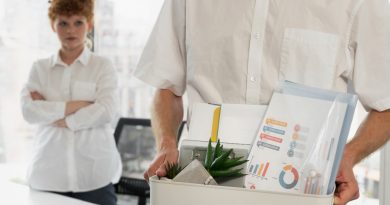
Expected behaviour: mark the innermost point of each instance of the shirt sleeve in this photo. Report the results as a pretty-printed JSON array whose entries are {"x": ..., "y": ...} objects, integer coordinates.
[
  {"x": 39, "y": 111},
  {"x": 105, "y": 108},
  {"x": 370, "y": 49},
  {"x": 162, "y": 63}
]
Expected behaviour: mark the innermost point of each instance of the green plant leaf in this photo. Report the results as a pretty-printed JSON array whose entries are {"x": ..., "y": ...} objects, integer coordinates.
[
  {"x": 172, "y": 169},
  {"x": 232, "y": 163},
  {"x": 209, "y": 155},
  {"x": 219, "y": 163},
  {"x": 220, "y": 160},
  {"x": 218, "y": 150}
]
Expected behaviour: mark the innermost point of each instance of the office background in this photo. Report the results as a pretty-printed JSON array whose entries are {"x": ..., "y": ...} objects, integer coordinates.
[{"x": 121, "y": 30}]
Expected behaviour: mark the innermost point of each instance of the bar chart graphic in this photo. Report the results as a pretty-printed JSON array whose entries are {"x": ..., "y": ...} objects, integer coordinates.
[
  {"x": 313, "y": 183},
  {"x": 259, "y": 169}
]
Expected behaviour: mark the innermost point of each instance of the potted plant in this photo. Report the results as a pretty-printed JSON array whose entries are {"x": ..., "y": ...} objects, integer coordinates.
[{"x": 218, "y": 165}]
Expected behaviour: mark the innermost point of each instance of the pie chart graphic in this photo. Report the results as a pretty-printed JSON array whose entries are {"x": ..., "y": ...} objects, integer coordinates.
[{"x": 288, "y": 170}]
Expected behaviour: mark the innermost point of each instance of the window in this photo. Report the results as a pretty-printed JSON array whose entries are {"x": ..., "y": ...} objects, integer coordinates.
[
  {"x": 25, "y": 35},
  {"x": 367, "y": 172},
  {"x": 385, "y": 169},
  {"x": 121, "y": 30}
]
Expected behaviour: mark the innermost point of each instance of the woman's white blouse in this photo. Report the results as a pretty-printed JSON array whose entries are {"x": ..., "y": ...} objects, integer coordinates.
[{"x": 84, "y": 156}]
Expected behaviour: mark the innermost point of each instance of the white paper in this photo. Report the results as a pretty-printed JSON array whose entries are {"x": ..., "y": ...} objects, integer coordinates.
[
  {"x": 239, "y": 123},
  {"x": 201, "y": 121},
  {"x": 295, "y": 146}
]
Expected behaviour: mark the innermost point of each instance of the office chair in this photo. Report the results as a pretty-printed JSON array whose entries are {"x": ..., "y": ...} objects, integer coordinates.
[{"x": 136, "y": 145}]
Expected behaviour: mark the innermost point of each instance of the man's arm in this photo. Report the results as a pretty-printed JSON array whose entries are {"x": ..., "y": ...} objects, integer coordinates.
[
  {"x": 371, "y": 135},
  {"x": 167, "y": 114}
]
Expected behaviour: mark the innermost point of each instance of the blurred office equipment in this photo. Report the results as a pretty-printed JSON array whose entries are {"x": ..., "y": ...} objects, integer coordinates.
[{"x": 136, "y": 145}]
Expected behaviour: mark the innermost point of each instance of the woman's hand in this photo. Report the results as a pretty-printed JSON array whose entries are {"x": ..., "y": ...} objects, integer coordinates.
[
  {"x": 60, "y": 123},
  {"x": 35, "y": 95}
]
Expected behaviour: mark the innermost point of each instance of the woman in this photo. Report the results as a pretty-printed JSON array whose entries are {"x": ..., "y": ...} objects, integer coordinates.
[{"x": 72, "y": 98}]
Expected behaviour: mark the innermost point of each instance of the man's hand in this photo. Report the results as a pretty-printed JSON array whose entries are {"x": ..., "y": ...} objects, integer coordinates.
[
  {"x": 61, "y": 123},
  {"x": 167, "y": 153},
  {"x": 35, "y": 95},
  {"x": 371, "y": 135},
  {"x": 347, "y": 188},
  {"x": 167, "y": 114}
]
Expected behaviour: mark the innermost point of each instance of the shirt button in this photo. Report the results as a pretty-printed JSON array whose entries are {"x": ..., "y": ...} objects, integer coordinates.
[
  {"x": 257, "y": 35},
  {"x": 253, "y": 79}
]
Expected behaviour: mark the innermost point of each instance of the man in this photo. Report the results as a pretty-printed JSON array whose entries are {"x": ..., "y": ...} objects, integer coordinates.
[{"x": 228, "y": 51}]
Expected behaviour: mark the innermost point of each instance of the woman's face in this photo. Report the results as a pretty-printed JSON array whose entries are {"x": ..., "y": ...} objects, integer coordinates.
[{"x": 71, "y": 31}]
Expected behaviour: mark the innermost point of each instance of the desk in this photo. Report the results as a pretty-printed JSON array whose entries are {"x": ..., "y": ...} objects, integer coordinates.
[{"x": 12, "y": 193}]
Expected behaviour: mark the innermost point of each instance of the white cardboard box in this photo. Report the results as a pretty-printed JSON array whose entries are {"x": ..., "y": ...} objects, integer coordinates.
[
  {"x": 178, "y": 193},
  {"x": 166, "y": 192}
]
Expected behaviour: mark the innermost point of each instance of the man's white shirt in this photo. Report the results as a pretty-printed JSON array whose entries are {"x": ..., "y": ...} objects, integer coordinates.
[{"x": 229, "y": 51}]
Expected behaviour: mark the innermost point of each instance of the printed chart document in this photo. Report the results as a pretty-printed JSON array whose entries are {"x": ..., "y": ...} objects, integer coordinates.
[{"x": 295, "y": 147}]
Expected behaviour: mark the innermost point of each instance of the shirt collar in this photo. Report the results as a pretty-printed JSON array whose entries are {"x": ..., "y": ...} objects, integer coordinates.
[{"x": 83, "y": 58}]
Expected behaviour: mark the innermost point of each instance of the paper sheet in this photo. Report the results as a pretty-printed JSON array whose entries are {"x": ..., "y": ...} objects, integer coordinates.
[
  {"x": 239, "y": 123},
  {"x": 295, "y": 146},
  {"x": 201, "y": 121},
  {"x": 236, "y": 123}
]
